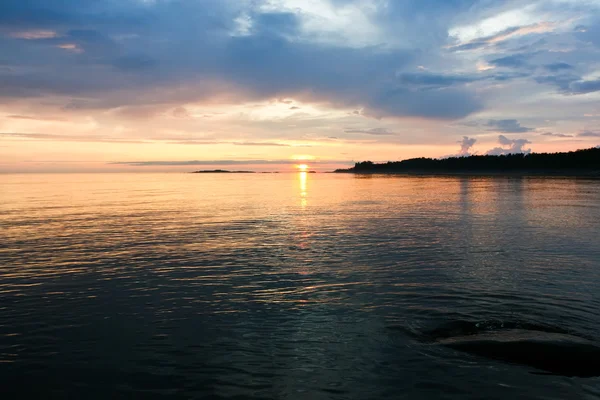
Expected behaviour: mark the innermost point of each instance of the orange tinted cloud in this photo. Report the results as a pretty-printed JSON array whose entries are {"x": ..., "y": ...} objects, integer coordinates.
[{"x": 34, "y": 34}]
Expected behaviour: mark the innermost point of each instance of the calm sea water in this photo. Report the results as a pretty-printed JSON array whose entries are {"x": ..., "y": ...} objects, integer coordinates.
[{"x": 288, "y": 286}]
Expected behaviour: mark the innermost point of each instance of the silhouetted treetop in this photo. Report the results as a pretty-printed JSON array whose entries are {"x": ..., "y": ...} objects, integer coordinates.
[{"x": 588, "y": 160}]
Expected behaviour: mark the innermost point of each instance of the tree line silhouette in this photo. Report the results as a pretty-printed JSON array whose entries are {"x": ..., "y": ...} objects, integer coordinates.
[{"x": 584, "y": 160}]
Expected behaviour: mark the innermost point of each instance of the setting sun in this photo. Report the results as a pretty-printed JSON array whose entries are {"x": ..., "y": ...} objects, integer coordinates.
[{"x": 302, "y": 167}]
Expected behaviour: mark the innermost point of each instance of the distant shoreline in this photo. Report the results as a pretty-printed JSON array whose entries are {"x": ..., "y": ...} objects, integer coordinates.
[
  {"x": 580, "y": 163},
  {"x": 515, "y": 174},
  {"x": 222, "y": 171}
]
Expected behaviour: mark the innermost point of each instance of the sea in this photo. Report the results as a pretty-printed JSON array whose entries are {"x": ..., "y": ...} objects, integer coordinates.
[{"x": 290, "y": 285}]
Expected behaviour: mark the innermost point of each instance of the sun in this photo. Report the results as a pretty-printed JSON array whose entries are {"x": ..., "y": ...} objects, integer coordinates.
[{"x": 302, "y": 167}]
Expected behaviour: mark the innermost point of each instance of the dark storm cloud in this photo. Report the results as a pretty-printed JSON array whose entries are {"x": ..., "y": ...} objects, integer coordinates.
[
  {"x": 558, "y": 66},
  {"x": 108, "y": 54},
  {"x": 425, "y": 81},
  {"x": 507, "y": 126},
  {"x": 570, "y": 84},
  {"x": 589, "y": 134},
  {"x": 437, "y": 80},
  {"x": 507, "y": 76},
  {"x": 426, "y": 22},
  {"x": 589, "y": 32},
  {"x": 107, "y": 47},
  {"x": 562, "y": 81},
  {"x": 24, "y": 13},
  {"x": 439, "y": 104},
  {"x": 66, "y": 14},
  {"x": 512, "y": 61},
  {"x": 583, "y": 86}
]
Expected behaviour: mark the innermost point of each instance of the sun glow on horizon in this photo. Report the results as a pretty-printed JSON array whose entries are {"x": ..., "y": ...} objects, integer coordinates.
[{"x": 302, "y": 167}]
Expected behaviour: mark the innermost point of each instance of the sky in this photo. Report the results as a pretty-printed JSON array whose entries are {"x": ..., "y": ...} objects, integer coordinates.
[{"x": 176, "y": 85}]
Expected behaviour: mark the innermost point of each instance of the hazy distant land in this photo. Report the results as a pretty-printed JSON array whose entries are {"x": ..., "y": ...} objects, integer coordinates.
[
  {"x": 575, "y": 163},
  {"x": 222, "y": 171}
]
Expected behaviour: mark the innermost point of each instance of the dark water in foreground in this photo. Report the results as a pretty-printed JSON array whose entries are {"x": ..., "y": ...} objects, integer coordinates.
[{"x": 289, "y": 286}]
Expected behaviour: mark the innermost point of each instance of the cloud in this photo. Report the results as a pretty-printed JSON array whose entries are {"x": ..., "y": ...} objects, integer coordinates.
[
  {"x": 118, "y": 64},
  {"x": 589, "y": 32},
  {"x": 561, "y": 135},
  {"x": 357, "y": 86},
  {"x": 261, "y": 144},
  {"x": 512, "y": 61},
  {"x": 428, "y": 81},
  {"x": 36, "y": 118},
  {"x": 437, "y": 80},
  {"x": 33, "y": 34},
  {"x": 190, "y": 51},
  {"x": 571, "y": 84},
  {"x": 166, "y": 139},
  {"x": 223, "y": 162},
  {"x": 193, "y": 142},
  {"x": 507, "y": 126},
  {"x": 73, "y": 47},
  {"x": 67, "y": 138},
  {"x": 180, "y": 112},
  {"x": 134, "y": 63},
  {"x": 508, "y": 33},
  {"x": 447, "y": 103},
  {"x": 510, "y": 146},
  {"x": 588, "y": 134},
  {"x": 582, "y": 86},
  {"x": 373, "y": 131},
  {"x": 561, "y": 81},
  {"x": 465, "y": 146},
  {"x": 558, "y": 66}
]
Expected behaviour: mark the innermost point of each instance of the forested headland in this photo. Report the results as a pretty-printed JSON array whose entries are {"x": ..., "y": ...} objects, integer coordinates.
[{"x": 580, "y": 162}]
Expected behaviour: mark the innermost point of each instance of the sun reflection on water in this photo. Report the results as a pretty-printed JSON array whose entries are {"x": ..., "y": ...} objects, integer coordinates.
[{"x": 302, "y": 177}]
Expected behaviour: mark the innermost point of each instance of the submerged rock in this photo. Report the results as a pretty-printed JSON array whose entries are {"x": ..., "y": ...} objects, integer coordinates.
[{"x": 554, "y": 353}]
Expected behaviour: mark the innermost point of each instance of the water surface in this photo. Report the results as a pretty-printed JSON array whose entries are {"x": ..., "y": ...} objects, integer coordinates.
[{"x": 289, "y": 286}]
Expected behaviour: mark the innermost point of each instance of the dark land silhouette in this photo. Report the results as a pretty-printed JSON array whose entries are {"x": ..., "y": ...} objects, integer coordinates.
[
  {"x": 544, "y": 347},
  {"x": 581, "y": 162},
  {"x": 556, "y": 354}
]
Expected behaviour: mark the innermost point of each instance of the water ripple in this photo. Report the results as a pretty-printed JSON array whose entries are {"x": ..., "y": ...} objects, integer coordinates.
[{"x": 273, "y": 287}]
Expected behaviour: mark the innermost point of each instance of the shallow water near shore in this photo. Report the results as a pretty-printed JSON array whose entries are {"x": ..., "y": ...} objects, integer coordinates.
[{"x": 290, "y": 286}]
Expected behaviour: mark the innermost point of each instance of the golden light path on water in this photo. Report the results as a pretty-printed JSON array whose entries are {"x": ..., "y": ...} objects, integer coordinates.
[{"x": 302, "y": 178}]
